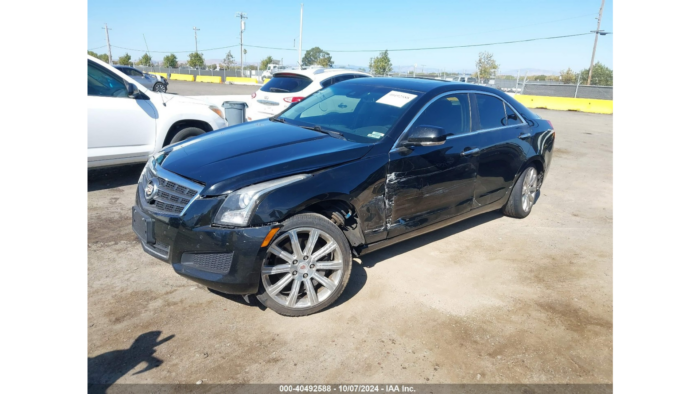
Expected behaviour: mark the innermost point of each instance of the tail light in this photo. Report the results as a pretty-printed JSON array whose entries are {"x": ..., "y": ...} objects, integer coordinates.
[
  {"x": 254, "y": 94},
  {"x": 292, "y": 99}
]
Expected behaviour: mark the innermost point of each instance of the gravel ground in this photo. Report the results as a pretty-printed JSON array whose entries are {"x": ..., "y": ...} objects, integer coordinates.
[{"x": 487, "y": 300}]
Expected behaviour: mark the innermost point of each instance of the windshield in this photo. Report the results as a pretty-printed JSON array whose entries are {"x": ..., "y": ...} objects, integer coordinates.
[{"x": 361, "y": 113}]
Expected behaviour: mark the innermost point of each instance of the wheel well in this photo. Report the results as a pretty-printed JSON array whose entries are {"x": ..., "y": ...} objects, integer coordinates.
[
  {"x": 539, "y": 166},
  {"x": 343, "y": 215},
  {"x": 181, "y": 124}
]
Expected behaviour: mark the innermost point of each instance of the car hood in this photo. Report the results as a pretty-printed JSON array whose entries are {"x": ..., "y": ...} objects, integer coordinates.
[{"x": 228, "y": 159}]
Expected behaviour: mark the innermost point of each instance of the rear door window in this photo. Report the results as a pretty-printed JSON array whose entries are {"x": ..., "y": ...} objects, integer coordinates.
[
  {"x": 513, "y": 118},
  {"x": 491, "y": 112},
  {"x": 286, "y": 83}
]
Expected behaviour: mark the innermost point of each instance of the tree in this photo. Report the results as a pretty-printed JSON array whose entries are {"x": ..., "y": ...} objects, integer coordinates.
[
  {"x": 265, "y": 62},
  {"x": 229, "y": 60},
  {"x": 104, "y": 57},
  {"x": 145, "y": 60},
  {"x": 170, "y": 61},
  {"x": 196, "y": 60},
  {"x": 568, "y": 76},
  {"x": 486, "y": 65},
  {"x": 602, "y": 75},
  {"x": 93, "y": 54},
  {"x": 125, "y": 60},
  {"x": 318, "y": 56},
  {"x": 380, "y": 65}
]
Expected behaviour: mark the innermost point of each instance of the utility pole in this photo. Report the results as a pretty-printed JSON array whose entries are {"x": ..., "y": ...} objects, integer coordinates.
[
  {"x": 242, "y": 16},
  {"x": 196, "y": 50},
  {"x": 595, "y": 43},
  {"x": 301, "y": 32},
  {"x": 109, "y": 47}
]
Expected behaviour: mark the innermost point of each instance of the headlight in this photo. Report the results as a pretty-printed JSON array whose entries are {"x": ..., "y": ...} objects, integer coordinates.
[
  {"x": 239, "y": 206},
  {"x": 217, "y": 111}
]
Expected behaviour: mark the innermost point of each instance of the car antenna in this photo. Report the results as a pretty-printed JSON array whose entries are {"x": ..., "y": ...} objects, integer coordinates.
[{"x": 161, "y": 99}]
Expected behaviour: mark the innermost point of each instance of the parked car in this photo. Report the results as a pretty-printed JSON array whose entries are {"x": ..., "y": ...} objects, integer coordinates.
[
  {"x": 272, "y": 69},
  {"x": 292, "y": 86},
  {"x": 127, "y": 123},
  {"x": 278, "y": 207},
  {"x": 152, "y": 82}
]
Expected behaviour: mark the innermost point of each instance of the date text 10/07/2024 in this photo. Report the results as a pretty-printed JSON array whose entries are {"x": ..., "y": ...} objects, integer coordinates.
[{"x": 348, "y": 388}]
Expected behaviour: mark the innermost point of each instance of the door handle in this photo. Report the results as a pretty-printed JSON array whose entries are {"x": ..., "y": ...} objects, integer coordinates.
[
  {"x": 524, "y": 135},
  {"x": 471, "y": 152}
]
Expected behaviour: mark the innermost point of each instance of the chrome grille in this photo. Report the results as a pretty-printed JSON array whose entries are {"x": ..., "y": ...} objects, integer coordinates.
[{"x": 174, "y": 193}]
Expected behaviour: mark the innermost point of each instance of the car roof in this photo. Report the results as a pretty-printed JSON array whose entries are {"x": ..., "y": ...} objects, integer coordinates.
[
  {"x": 424, "y": 85},
  {"x": 323, "y": 73}
]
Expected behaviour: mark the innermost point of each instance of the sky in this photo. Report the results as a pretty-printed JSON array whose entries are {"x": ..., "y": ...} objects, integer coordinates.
[{"x": 361, "y": 25}]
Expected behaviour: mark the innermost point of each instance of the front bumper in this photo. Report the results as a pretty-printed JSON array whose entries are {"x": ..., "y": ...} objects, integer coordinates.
[{"x": 225, "y": 259}]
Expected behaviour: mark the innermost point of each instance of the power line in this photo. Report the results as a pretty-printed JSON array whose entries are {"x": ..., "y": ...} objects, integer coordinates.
[
  {"x": 460, "y": 46},
  {"x": 203, "y": 50},
  {"x": 92, "y": 49},
  {"x": 380, "y": 50},
  {"x": 489, "y": 31}
]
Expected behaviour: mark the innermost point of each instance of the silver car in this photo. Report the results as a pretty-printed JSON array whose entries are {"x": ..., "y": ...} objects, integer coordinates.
[{"x": 154, "y": 82}]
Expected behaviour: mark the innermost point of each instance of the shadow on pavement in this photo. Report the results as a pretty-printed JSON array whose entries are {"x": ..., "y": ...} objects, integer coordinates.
[
  {"x": 111, "y": 177},
  {"x": 105, "y": 369}
]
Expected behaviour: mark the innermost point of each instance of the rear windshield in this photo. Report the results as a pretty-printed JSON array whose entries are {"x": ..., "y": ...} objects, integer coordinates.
[{"x": 286, "y": 83}]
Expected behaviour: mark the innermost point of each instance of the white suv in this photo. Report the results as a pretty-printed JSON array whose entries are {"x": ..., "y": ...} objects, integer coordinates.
[
  {"x": 291, "y": 86},
  {"x": 127, "y": 122}
]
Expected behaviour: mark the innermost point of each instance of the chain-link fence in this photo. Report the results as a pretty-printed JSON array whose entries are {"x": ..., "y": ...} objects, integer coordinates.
[
  {"x": 565, "y": 90},
  {"x": 191, "y": 71}
]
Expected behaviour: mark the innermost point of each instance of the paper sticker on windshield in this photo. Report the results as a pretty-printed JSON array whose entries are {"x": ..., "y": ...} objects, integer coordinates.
[
  {"x": 396, "y": 99},
  {"x": 375, "y": 134}
]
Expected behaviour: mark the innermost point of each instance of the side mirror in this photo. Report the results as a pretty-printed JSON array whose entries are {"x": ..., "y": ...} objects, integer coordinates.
[
  {"x": 426, "y": 136},
  {"x": 131, "y": 90}
]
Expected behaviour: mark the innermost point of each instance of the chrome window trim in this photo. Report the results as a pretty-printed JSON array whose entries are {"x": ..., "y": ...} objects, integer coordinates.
[{"x": 434, "y": 99}]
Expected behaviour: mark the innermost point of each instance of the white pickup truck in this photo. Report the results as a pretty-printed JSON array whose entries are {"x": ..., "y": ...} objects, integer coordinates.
[{"x": 127, "y": 122}]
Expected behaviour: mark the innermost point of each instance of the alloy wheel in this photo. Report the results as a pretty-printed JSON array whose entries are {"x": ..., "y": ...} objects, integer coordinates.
[
  {"x": 303, "y": 267},
  {"x": 529, "y": 188}
]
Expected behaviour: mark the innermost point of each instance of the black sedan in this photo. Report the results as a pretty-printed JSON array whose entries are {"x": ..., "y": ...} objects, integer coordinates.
[{"x": 278, "y": 207}]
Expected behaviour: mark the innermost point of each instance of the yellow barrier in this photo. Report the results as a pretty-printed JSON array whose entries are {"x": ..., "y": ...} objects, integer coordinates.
[
  {"x": 208, "y": 78},
  {"x": 182, "y": 77},
  {"x": 567, "y": 104},
  {"x": 265, "y": 80},
  {"x": 239, "y": 79},
  {"x": 164, "y": 75}
]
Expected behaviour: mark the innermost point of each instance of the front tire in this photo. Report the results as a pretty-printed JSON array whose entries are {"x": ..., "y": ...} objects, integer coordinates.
[
  {"x": 522, "y": 198},
  {"x": 187, "y": 132},
  {"x": 159, "y": 87},
  {"x": 307, "y": 266}
]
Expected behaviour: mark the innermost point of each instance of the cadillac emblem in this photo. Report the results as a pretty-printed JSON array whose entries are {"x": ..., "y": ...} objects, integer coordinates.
[{"x": 151, "y": 190}]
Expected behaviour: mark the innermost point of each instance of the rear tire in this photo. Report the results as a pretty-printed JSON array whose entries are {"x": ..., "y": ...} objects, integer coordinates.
[
  {"x": 187, "y": 132},
  {"x": 307, "y": 266},
  {"x": 522, "y": 198}
]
